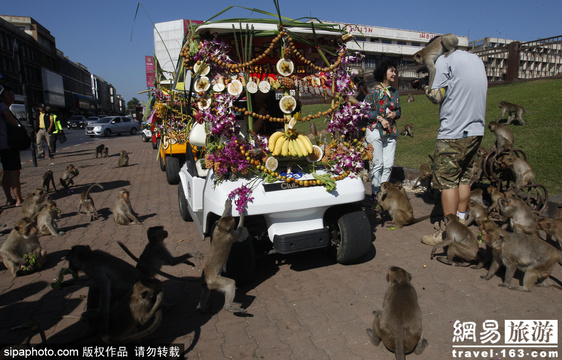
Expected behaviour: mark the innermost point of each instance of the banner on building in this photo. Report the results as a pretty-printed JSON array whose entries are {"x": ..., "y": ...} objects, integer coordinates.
[{"x": 150, "y": 70}]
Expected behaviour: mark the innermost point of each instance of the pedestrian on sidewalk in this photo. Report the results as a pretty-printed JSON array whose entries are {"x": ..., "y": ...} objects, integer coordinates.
[
  {"x": 45, "y": 132},
  {"x": 459, "y": 87},
  {"x": 10, "y": 158},
  {"x": 56, "y": 132}
]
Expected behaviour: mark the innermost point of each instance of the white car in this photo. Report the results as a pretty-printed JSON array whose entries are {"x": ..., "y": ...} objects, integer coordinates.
[{"x": 109, "y": 125}]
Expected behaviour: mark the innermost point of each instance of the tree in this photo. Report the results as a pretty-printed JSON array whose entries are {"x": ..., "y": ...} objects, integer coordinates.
[{"x": 132, "y": 103}]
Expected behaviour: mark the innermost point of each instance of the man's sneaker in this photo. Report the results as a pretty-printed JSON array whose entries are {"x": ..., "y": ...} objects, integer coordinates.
[
  {"x": 41, "y": 156},
  {"x": 436, "y": 237}
]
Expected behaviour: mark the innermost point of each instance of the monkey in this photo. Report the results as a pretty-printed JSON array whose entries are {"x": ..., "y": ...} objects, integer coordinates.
[
  {"x": 477, "y": 195},
  {"x": 553, "y": 228},
  {"x": 397, "y": 204},
  {"x": 123, "y": 159},
  {"x": 425, "y": 177},
  {"x": 46, "y": 218},
  {"x": 21, "y": 241},
  {"x": 515, "y": 112},
  {"x": 504, "y": 136},
  {"x": 399, "y": 323},
  {"x": 520, "y": 216},
  {"x": 521, "y": 171},
  {"x": 87, "y": 203},
  {"x": 155, "y": 254},
  {"x": 122, "y": 210},
  {"x": 528, "y": 253},
  {"x": 70, "y": 173},
  {"x": 114, "y": 278},
  {"x": 48, "y": 178},
  {"x": 407, "y": 131},
  {"x": 476, "y": 213},
  {"x": 106, "y": 152},
  {"x": 440, "y": 45},
  {"x": 133, "y": 312},
  {"x": 495, "y": 196},
  {"x": 33, "y": 203},
  {"x": 411, "y": 98},
  {"x": 99, "y": 150},
  {"x": 462, "y": 242},
  {"x": 224, "y": 235},
  {"x": 479, "y": 164}
]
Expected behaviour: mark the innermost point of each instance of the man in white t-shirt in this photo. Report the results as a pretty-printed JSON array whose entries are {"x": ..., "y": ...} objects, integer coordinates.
[{"x": 460, "y": 87}]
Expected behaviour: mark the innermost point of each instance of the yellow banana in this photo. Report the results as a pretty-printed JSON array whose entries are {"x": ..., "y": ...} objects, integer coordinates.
[
  {"x": 306, "y": 142},
  {"x": 279, "y": 146},
  {"x": 302, "y": 147},
  {"x": 297, "y": 147},
  {"x": 292, "y": 149},
  {"x": 273, "y": 139},
  {"x": 285, "y": 149}
]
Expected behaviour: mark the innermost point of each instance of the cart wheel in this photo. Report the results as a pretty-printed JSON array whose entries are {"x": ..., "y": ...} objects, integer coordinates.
[
  {"x": 182, "y": 201},
  {"x": 173, "y": 170},
  {"x": 351, "y": 235}
]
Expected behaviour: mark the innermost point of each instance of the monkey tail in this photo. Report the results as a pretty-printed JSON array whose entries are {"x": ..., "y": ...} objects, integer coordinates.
[
  {"x": 399, "y": 348},
  {"x": 91, "y": 187},
  {"x": 417, "y": 220}
]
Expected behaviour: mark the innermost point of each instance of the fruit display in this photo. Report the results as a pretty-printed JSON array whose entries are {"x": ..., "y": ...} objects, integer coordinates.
[{"x": 230, "y": 71}]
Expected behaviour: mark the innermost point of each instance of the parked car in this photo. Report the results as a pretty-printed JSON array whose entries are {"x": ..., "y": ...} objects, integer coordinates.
[
  {"x": 113, "y": 125},
  {"x": 93, "y": 119},
  {"x": 76, "y": 122}
]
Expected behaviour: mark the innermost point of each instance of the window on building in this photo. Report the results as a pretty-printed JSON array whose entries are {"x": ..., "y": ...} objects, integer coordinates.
[
  {"x": 360, "y": 39},
  {"x": 401, "y": 42},
  {"x": 415, "y": 44},
  {"x": 386, "y": 41}
]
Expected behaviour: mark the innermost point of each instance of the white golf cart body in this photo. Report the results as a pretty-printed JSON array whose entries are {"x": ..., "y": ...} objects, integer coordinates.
[{"x": 288, "y": 217}]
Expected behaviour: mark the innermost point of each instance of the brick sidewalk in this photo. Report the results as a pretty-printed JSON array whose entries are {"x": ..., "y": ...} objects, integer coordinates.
[{"x": 304, "y": 306}]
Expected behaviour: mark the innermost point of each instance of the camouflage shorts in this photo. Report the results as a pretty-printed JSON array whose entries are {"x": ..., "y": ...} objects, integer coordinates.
[{"x": 453, "y": 161}]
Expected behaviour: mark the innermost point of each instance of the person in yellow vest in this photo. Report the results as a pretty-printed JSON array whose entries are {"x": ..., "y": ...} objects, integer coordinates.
[
  {"x": 58, "y": 129},
  {"x": 45, "y": 132}
]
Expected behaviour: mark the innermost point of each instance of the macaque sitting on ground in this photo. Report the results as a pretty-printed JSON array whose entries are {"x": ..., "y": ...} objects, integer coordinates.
[
  {"x": 397, "y": 204},
  {"x": 22, "y": 249},
  {"x": 47, "y": 218},
  {"x": 123, "y": 213},
  {"x": 461, "y": 241},
  {"x": 33, "y": 203},
  {"x": 70, "y": 173},
  {"x": 399, "y": 323}
]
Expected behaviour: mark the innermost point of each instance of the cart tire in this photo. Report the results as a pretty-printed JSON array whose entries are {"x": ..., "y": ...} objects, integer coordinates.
[
  {"x": 154, "y": 145},
  {"x": 353, "y": 236},
  {"x": 161, "y": 163},
  {"x": 144, "y": 138},
  {"x": 183, "y": 205},
  {"x": 173, "y": 170}
]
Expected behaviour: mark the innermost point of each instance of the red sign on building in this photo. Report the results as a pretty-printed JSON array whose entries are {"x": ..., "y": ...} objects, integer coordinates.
[{"x": 150, "y": 70}]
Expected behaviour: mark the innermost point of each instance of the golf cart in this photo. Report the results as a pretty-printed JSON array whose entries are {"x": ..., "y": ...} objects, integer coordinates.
[{"x": 299, "y": 191}]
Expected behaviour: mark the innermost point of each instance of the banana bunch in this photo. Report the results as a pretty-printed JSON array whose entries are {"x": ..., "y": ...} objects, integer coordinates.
[{"x": 289, "y": 144}]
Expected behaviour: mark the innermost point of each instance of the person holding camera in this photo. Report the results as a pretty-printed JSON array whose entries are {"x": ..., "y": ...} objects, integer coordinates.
[
  {"x": 459, "y": 87},
  {"x": 382, "y": 132}
]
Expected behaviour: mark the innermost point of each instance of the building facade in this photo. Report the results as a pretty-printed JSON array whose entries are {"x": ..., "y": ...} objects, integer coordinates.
[{"x": 32, "y": 65}]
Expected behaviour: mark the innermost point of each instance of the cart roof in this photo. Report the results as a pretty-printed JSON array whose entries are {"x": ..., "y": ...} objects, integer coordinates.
[{"x": 306, "y": 28}]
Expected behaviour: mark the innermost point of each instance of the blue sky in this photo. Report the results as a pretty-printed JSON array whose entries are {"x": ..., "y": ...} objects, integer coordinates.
[{"x": 97, "y": 33}]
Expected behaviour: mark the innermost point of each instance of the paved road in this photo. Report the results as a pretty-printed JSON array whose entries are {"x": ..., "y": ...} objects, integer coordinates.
[{"x": 304, "y": 306}]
